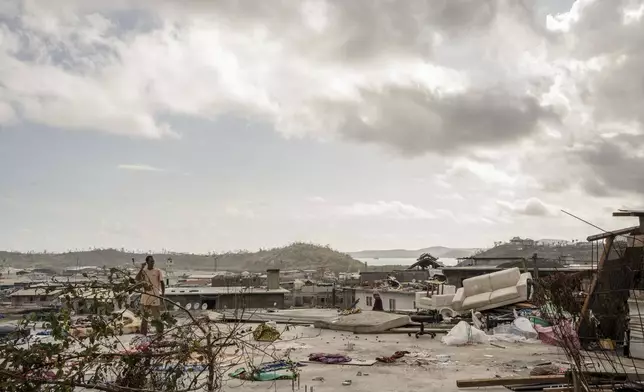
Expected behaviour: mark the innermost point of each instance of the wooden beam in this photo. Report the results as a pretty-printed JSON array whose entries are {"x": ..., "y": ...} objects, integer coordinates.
[
  {"x": 600, "y": 266},
  {"x": 502, "y": 381},
  {"x": 627, "y": 231}
]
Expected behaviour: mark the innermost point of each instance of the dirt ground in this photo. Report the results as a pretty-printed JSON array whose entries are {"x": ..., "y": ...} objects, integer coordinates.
[{"x": 421, "y": 371}]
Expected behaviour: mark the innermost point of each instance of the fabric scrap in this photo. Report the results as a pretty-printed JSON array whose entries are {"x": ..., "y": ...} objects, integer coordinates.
[
  {"x": 329, "y": 358},
  {"x": 243, "y": 374},
  {"x": 393, "y": 358}
]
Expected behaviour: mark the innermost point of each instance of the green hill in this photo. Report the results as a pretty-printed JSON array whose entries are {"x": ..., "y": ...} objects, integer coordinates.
[{"x": 295, "y": 256}]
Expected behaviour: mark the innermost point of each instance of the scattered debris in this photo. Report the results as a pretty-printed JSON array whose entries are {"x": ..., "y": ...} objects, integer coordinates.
[
  {"x": 278, "y": 365},
  {"x": 393, "y": 358},
  {"x": 329, "y": 358},
  {"x": 266, "y": 333},
  {"x": 243, "y": 374},
  {"x": 547, "y": 370},
  {"x": 463, "y": 334}
]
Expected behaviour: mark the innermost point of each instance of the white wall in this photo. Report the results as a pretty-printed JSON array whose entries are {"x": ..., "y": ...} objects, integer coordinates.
[{"x": 404, "y": 300}]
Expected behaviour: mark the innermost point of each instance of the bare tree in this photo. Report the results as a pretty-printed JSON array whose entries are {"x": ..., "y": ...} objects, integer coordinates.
[{"x": 188, "y": 353}]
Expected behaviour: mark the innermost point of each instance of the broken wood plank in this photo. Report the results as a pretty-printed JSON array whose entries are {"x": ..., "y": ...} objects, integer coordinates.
[
  {"x": 503, "y": 381},
  {"x": 403, "y": 331},
  {"x": 584, "y": 310}
]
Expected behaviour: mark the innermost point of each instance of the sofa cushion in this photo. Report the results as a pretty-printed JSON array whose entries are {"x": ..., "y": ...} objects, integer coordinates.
[
  {"x": 476, "y": 301},
  {"x": 505, "y": 294},
  {"x": 477, "y": 285},
  {"x": 442, "y": 300},
  {"x": 505, "y": 278},
  {"x": 425, "y": 302}
]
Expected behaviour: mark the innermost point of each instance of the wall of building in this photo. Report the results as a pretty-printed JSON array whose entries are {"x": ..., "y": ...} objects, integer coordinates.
[
  {"x": 273, "y": 279},
  {"x": 36, "y": 300},
  {"x": 391, "y": 300},
  {"x": 317, "y": 296}
]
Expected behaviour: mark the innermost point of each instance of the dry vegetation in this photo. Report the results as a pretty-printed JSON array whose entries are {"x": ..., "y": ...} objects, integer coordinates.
[{"x": 295, "y": 256}]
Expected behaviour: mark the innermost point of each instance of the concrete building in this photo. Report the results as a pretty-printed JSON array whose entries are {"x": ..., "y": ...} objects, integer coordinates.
[
  {"x": 318, "y": 295},
  {"x": 518, "y": 241},
  {"x": 236, "y": 280},
  {"x": 402, "y": 276},
  {"x": 84, "y": 269},
  {"x": 38, "y": 296},
  {"x": 227, "y": 297},
  {"x": 231, "y": 297},
  {"x": 392, "y": 300}
]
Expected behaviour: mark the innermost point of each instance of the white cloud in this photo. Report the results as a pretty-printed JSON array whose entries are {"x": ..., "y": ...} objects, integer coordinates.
[
  {"x": 332, "y": 71},
  {"x": 530, "y": 207},
  {"x": 484, "y": 171},
  {"x": 138, "y": 167},
  {"x": 508, "y": 104},
  {"x": 387, "y": 210}
]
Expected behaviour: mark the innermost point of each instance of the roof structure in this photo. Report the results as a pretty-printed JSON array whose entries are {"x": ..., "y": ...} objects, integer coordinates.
[
  {"x": 425, "y": 261},
  {"x": 34, "y": 292},
  {"x": 222, "y": 290},
  {"x": 634, "y": 230}
]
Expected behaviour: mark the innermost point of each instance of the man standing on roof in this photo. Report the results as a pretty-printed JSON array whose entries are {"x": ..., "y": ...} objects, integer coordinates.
[
  {"x": 377, "y": 303},
  {"x": 154, "y": 287}
]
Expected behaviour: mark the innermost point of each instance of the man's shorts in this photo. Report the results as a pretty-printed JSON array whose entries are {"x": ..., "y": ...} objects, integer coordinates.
[{"x": 152, "y": 311}]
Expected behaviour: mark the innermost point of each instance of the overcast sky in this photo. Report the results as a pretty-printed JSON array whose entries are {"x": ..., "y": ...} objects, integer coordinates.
[{"x": 217, "y": 125}]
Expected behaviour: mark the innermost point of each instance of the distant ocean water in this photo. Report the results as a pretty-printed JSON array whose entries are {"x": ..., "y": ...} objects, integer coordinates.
[{"x": 402, "y": 261}]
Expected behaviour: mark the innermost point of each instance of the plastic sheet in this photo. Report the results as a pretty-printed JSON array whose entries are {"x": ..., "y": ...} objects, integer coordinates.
[{"x": 463, "y": 333}]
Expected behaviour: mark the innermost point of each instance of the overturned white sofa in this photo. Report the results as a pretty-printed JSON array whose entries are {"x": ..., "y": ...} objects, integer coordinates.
[
  {"x": 492, "y": 290},
  {"x": 483, "y": 292}
]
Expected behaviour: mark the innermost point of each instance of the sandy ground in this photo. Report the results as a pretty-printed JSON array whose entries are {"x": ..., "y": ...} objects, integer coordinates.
[{"x": 423, "y": 373}]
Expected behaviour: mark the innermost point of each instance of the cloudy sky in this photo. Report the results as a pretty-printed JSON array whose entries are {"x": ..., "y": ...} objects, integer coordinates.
[{"x": 218, "y": 125}]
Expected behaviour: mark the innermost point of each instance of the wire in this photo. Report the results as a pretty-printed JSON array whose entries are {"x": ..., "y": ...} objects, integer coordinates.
[{"x": 634, "y": 238}]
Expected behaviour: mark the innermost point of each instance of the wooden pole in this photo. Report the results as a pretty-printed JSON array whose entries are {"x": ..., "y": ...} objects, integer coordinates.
[
  {"x": 531, "y": 380},
  {"x": 600, "y": 266},
  {"x": 535, "y": 266}
]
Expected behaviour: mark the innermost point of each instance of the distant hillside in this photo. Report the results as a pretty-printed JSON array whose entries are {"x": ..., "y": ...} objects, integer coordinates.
[
  {"x": 436, "y": 251},
  {"x": 294, "y": 256},
  {"x": 580, "y": 252}
]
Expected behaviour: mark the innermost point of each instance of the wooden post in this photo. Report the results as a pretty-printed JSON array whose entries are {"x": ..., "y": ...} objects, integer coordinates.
[
  {"x": 575, "y": 382},
  {"x": 536, "y": 267},
  {"x": 600, "y": 266}
]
